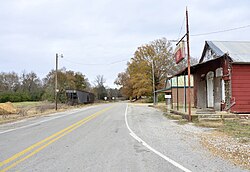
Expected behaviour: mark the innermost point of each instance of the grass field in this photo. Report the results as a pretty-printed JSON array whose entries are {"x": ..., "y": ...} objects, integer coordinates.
[{"x": 25, "y": 104}]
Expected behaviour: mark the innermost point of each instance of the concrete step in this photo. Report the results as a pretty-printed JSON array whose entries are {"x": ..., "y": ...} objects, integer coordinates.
[
  {"x": 210, "y": 119},
  {"x": 229, "y": 119},
  {"x": 244, "y": 116},
  {"x": 205, "y": 111},
  {"x": 229, "y": 116},
  {"x": 209, "y": 116}
]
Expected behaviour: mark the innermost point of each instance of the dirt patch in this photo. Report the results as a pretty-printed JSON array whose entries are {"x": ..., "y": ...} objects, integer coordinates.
[
  {"x": 18, "y": 111},
  {"x": 7, "y": 108},
  {"x": 237, "y": 150},
  {"x": 8, "y": 113}
]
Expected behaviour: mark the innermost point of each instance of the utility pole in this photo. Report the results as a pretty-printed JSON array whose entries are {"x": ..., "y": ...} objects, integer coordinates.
[
  {"x": 153, "y": 76},
  {"x": 56, "y": 89},
  {"x": 189, "y": 71}
]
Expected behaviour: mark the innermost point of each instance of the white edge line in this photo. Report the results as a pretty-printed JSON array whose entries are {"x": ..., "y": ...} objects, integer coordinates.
[
  {"x": 30, "y": 125},
  {"x": 152, "y": 149}
]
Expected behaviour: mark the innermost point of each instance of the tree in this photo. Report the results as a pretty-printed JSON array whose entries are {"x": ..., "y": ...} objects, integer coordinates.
[
  {"x": 32, "y": 85},
  {"x": 137, "y": 80},
  {"x": 99, "y": 88},
  {"x": 124, "y": 81},
  {"x": 158, "y": 56},
  {"x": 9, "y": 81},
  {"x": 66, "y": 80}
]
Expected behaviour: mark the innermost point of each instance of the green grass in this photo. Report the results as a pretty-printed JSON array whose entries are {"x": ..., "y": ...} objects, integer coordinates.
[
  {"x": 25, "y": 104},
  {"x": 209, "y": 124},
  {"x": 236, "y": 129}
]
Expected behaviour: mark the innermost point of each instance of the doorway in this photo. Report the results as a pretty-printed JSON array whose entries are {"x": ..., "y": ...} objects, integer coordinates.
[{"x": 210, "y": 89}]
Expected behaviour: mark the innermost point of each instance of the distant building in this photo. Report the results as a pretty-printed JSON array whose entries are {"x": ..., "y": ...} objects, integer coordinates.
[
  {"x": 79, "y": 97},
  {"x": 177, "y": 87}
]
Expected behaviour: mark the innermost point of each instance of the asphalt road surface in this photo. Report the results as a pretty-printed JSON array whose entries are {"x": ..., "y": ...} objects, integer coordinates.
[{"x": 108, "y": 137}]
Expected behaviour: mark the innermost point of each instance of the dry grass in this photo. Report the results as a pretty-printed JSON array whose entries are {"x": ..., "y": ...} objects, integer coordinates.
[
  {"x": 236, "y": 129},
  {"x": 7, "y": 108},
  {"x": 209, "y": 124},
  {"x": 18, "y": 111}
]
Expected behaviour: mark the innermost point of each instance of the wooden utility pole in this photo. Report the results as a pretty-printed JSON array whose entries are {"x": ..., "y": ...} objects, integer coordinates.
[
  {"x": 56, "y": 80},
  {"x": 153, "y": 77},
  {"x": 189, "y": 71},
  {"x": 56, "y": 89}
]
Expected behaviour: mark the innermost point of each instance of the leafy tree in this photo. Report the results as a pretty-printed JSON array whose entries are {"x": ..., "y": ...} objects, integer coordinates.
[
  {"x": 156, "y": 56},
  {"x": 32, "y": 85},
  {"x": 66, "y": 80},
  {"x": 124, "y": 81},
  {"x": 16, "y": 89}
]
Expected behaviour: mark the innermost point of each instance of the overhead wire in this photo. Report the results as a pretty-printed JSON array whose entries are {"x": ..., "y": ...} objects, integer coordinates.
[
  {"x": 200, "y": 34},
  {"x": 95, "y": 64},
  {"x": 220, "y": 31},
  {"x": 181, "y": 28}
]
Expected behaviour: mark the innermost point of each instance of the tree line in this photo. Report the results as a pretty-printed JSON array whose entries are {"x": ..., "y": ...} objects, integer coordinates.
[
  {"x": 29, "y": 87},
  {"x": 152, "y": 60}
]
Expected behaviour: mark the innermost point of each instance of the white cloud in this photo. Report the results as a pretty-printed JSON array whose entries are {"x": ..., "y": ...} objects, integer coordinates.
[{"x": 104, "y": 31}]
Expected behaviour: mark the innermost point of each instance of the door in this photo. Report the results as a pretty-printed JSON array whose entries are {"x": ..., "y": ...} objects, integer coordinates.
[{"x": 210, "y": 89}]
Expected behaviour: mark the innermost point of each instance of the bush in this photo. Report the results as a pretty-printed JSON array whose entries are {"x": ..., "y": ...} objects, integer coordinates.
[
  {"x": 14, "y": 97},
  {"x": 149, "y": 100},
  {"x": 161, "y": 97}
]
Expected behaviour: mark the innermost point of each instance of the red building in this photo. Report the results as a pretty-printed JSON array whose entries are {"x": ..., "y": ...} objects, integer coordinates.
[{"x": 222, "y": 77}]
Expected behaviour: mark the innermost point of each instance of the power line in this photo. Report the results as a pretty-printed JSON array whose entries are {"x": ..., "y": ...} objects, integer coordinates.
[
  {"x": 220, "y": 31},
  {"x": 95, "y": 64},
  {"x": 181, "y": 28}
]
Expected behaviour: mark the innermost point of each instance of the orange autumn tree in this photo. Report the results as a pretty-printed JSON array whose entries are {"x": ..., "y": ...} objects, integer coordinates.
[{"x": 138, "y": 82}]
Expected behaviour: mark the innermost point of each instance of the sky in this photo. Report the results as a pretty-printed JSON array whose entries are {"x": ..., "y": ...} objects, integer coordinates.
[{"x": 98, "y": 37}]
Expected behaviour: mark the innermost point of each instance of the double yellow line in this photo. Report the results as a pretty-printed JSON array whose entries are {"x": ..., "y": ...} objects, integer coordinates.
[{"x": 30, "y": 151}]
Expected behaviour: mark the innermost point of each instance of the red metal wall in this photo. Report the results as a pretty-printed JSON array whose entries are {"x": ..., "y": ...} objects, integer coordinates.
[{"x": 241, "y": 88}]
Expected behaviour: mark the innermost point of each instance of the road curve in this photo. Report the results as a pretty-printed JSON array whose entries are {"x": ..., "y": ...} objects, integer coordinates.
[{"x": 108, "y": 137}]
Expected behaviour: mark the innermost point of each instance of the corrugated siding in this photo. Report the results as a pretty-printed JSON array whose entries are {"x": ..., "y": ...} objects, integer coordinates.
[{"x": 241, "y": 88}]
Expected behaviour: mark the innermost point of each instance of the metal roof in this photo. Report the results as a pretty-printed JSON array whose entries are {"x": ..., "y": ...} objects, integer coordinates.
[{"x": 238, "y": 51}]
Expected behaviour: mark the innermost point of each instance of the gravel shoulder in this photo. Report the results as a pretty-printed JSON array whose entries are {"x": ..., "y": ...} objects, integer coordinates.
[
  {"x": 233, "y": 149},
  {"x": 186, "y": 144}
]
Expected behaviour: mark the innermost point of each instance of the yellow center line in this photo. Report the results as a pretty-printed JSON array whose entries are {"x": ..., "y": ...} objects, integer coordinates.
[{"x": 49, "y": 139}]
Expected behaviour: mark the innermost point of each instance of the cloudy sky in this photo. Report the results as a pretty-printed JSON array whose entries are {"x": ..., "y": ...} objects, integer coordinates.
[{"x": 98, "y": 37}]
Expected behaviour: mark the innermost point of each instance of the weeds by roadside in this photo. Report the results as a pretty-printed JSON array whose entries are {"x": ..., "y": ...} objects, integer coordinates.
[
  {"x": 236, "y": 129},
  {"x": 18, "y": 111}
]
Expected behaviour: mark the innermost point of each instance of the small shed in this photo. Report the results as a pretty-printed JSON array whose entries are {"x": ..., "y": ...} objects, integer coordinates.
[
  {"x": 222, "y": 76},
  {"x": 79, "y": 97}
]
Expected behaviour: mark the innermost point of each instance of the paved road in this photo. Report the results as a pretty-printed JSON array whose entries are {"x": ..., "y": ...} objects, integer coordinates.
[{"x": 109, "y": 137}]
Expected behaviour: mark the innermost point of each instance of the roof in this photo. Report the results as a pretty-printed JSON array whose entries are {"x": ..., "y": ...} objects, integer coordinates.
[
  {"x": 74, "y": 91},
  {"x": 238, "y": 51}
]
